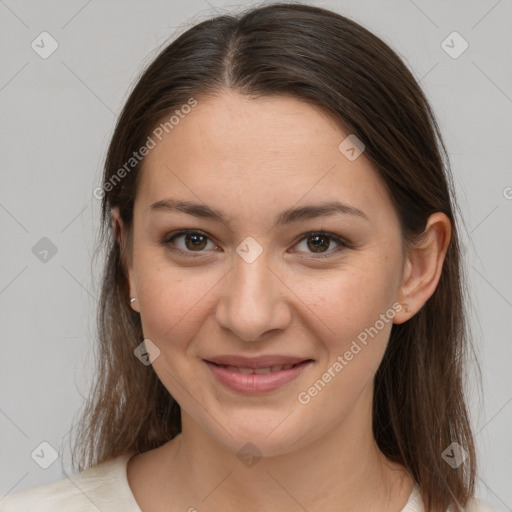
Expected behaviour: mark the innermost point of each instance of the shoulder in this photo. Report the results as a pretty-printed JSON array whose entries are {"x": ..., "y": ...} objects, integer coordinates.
[
  {"x": 415, "y": 504},
  {"x": 100, "y": 487},
  {"x": 476, "y": 505}
]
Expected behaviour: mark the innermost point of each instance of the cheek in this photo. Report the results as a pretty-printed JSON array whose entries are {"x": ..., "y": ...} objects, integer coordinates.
[
  {"x": 169, "y": 306},
  {"x": 354, "y": 317},
  {"x": 173, "y": 300},
  {"x": 172, "y": 311},
  {"x": 349, "y": 300}
]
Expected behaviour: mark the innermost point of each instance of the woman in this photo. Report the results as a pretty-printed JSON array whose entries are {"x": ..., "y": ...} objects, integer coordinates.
[{"x": 282, "y": 320}]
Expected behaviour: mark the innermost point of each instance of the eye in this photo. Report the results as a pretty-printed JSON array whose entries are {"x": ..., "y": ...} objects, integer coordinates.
[
  {"x": 318, "y": 241},
  {"x": 191, "y": 241}
]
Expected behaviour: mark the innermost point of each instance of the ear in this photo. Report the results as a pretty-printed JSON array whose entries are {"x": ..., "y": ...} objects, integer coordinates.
[
  {"x": 423, "y": 266},
  {"x": 121, "y": 237}
]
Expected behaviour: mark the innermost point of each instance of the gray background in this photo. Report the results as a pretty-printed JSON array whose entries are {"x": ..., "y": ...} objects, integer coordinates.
[{"x": 57, "y": 115}]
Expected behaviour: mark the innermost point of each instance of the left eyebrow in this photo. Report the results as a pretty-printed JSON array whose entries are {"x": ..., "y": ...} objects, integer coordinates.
[{"x": 286, "y": 217}]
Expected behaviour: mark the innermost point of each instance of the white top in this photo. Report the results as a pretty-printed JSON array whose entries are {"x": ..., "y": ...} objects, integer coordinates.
[{"x": 105, "y": 487}]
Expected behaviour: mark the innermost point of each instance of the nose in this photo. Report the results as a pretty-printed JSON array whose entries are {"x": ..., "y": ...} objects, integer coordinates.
[{"x": 252, "y": 300}]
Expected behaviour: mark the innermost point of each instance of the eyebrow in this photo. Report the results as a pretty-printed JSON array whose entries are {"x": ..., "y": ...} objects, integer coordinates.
[{"x": 286, "y": 217}]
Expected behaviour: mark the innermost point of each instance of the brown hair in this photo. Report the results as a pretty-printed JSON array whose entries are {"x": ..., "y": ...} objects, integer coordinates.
[{"x": 337, "y": 65}]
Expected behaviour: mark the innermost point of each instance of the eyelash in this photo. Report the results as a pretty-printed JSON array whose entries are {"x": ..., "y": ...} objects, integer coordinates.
[{"x": 166, "y": 242}]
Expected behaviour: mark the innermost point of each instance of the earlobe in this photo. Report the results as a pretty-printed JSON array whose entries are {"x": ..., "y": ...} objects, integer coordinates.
[{"x": 423, "y": 266}]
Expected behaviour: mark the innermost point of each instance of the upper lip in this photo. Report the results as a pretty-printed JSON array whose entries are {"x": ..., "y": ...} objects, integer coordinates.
[{"x": 264, "y": 361}]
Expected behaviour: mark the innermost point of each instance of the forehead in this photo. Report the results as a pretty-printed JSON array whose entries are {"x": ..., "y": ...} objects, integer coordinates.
[
  {"x": 232, "y": 126},
  {"x": 267, "y": 150}
]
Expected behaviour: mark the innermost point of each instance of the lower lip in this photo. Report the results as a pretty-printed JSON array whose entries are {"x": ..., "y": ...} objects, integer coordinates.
[{"x": 256, "y": 383}]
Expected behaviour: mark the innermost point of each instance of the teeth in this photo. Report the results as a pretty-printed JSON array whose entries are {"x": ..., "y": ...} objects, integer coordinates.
[
  {"x": 241, "y": 370},
  {"x": 268, "y": 369},
  {"x": 263, "y": 370}
]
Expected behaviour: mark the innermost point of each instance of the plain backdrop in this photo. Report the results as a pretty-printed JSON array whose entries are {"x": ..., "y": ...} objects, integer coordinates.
[{"x": 57, "y": 115}]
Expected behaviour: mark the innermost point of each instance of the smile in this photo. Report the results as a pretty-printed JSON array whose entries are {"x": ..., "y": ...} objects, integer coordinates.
[
  {"x": 251, "y": 381},
  {"x": 268, "y": 369}
]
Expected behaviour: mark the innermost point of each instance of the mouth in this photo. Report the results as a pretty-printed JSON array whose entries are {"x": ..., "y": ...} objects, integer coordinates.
[
  {"x": 259, "y": 371},
  {"x": 249, "y": 378}
]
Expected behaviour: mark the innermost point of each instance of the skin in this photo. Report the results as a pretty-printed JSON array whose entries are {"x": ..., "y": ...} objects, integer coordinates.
[{"x": 251, "y": 159}]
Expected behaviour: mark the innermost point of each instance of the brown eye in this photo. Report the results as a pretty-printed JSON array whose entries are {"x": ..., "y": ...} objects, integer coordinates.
[
  {"x": 193, "y": 241},
  {"x": 186, "y": 242},
  {"x": 319, "y": 243}
]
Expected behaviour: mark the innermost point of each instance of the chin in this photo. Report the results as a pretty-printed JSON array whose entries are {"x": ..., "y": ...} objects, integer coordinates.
[{"x": 258, "y": 439}]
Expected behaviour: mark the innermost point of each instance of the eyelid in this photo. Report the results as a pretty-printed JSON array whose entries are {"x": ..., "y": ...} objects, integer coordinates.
[{"x": 342, "y": 243}]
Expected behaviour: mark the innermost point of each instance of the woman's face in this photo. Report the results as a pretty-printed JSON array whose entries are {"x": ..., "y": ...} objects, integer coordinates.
[{"x": 256, "y": 284}]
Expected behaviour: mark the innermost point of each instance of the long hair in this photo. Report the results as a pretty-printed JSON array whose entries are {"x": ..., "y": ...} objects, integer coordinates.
[{"x": 334, "y": 64}]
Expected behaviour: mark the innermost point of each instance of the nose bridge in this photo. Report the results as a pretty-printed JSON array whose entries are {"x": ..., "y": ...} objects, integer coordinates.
[{"x": 252, "y": 302}]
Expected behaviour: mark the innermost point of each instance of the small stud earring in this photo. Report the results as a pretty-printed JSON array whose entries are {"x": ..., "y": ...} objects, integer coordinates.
[{"x": 133, "y": 299}]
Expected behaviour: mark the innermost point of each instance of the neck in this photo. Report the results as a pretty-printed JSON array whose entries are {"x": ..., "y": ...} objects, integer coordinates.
[{"x": 343, "y": 470}]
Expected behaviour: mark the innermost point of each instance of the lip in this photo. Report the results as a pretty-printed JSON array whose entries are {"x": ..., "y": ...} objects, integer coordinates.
[
  {"x": 255, "y": 362},
  {"x": 254, "y": 384}
]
